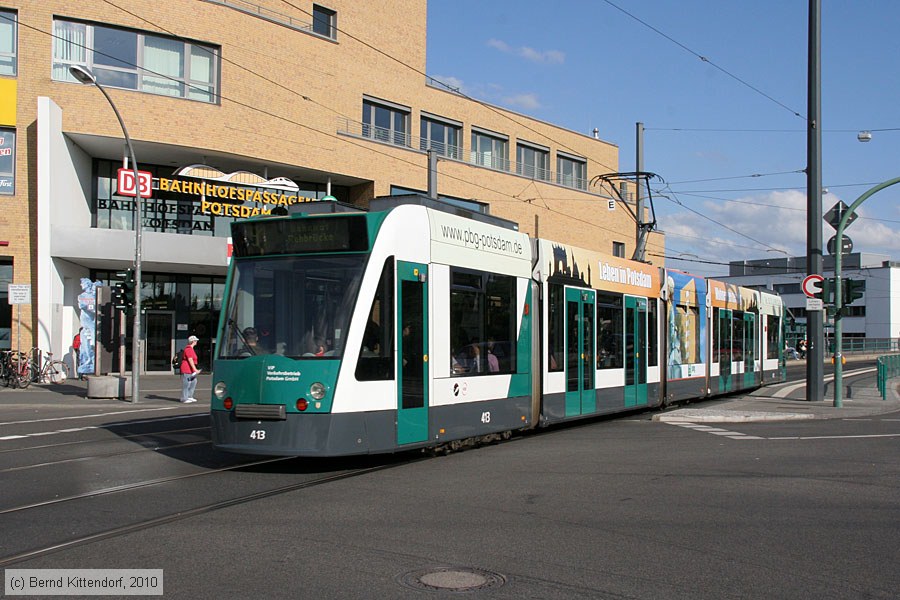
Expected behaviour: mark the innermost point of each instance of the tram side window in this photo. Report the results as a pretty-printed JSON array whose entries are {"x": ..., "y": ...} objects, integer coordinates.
[
  {"x": 556, "y": 327},
  {"x": 652, "y": 333},
  {"x": 718, "y": 335},
  {"x": 609, "y": 331},
  {"x": 773, "y": 331},
  {"x": 376, "y": 353},
  {"x": 737, "y": 336},
  {"x": 482, "y": 323}
]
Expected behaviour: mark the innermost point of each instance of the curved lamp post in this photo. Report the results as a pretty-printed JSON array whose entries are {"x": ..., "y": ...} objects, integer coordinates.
[
  {"x": 84, "y": 75},
  {"x": 838, "y": 293}
]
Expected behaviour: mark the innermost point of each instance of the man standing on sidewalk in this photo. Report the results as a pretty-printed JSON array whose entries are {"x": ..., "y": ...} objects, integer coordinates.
[{"x": 189, "y": 370}]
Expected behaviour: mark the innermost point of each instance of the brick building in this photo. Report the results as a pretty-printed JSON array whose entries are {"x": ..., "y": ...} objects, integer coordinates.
[{"x": 237, "y": 108}]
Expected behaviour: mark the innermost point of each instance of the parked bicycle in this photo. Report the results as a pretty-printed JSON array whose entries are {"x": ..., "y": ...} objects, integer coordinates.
[
  {"x": 15, "y": 368},
  {"x": 47, "y": 370}
]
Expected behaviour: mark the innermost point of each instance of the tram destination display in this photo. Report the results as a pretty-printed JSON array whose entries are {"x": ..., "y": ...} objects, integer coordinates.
[{"x": 298, "y": 235}]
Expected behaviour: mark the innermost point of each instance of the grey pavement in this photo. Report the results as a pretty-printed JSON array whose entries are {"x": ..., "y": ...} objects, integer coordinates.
[
  {"x": 787, "y": 401},
  {"x": 158, "y": 393}
]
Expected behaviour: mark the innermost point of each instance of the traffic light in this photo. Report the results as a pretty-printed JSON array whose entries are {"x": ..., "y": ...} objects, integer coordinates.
[
  {"x": 118, "y": 296},
  {"x": 827, "y": 293},
  {"x": 852, "y": 289},
  {"x": 123, "y": 294}
]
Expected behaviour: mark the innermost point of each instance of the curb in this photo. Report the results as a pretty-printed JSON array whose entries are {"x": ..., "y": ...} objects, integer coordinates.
[{"x": 699, "y": 415}]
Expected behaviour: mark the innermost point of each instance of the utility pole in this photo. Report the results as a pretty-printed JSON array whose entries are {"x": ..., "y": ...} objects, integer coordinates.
[
  {"x": 640, "y": 237},
  {"x": 815, "y": 377}
]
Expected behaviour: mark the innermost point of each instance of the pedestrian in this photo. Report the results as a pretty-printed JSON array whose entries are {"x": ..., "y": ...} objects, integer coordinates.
[
  {"x": 189, "y": 371},
  {"x": 802, "y": 348},
  {"x": 76, "y": 347}
]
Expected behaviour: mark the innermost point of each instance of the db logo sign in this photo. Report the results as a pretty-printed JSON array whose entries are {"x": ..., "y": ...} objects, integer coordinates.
[{"x": 125, "y": 183}]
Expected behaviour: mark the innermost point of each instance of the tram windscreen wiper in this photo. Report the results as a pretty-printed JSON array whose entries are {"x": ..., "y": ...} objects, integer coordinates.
[{"x": 241, "y": 337}]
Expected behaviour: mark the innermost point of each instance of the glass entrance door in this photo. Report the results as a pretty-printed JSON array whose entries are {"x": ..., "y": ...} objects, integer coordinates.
[{"x": 159, "y": 336}]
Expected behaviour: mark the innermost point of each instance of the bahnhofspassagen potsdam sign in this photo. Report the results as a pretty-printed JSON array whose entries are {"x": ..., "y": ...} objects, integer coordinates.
[{"x": 185, "y": 199}]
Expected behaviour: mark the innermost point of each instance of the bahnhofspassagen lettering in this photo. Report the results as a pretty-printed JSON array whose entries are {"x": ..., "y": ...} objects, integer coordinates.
[{"x": 229, "y": 193}]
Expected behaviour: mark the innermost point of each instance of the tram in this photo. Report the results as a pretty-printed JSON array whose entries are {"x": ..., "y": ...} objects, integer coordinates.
[{"x": 420, "y": 326}]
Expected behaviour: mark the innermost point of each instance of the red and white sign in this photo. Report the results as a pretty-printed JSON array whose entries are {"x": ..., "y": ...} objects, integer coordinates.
[
  {"x": 811, "y": 285},
  {"x": 125, "y": 183}
]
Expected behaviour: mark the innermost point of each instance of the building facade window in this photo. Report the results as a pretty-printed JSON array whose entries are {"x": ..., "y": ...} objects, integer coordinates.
[
  {"x": 324, "y": 21},
  {"x": 168, "y": 299},
  {"x": 136, "y": 60},
  {"x": 8, "y": 42},
  {"x": 7, "y": 162},
  {"x": 441, "y": 136},
  {"x": 571, "y": 172},
  {"x": 533, "y": 162},
  {"x": 618, "y": 249},
  {"x": 6, "y": 278},
  {"x": 385, "y": 123},
  {"x": 490, "y": 150}
]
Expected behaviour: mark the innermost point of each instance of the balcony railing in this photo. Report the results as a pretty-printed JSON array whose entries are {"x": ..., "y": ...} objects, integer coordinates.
[
  {"x": 482, "y": 159},
  {"x": 264, "y": 13}
]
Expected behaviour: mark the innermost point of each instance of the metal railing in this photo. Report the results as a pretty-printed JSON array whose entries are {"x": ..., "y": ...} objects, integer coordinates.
[
  {"x": 888, "y": 367},
  {"x": 865, "y": 345},
  {"x": 482, "y": 159},
  {"x": 265, "y": 13}
]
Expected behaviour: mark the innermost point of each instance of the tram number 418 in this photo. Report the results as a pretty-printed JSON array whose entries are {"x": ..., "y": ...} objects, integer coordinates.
[
  {"x": 486, "y": 417},
  {"x": 258, "y": 434}
]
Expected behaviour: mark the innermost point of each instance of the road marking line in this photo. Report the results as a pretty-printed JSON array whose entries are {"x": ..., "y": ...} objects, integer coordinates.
[
  {"x": 87, "y": 428},
  {"x": 736, "y": 435},
  {"x": 120, "y": 412},
  {"x": 837, "y": 437}
]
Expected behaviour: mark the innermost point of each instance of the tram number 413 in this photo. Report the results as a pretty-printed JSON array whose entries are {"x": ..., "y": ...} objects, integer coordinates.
[{"x": 258, "y": 434}]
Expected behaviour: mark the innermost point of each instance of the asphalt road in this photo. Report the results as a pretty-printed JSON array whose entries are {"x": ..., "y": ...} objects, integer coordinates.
[{"x": 612, "y": 508}]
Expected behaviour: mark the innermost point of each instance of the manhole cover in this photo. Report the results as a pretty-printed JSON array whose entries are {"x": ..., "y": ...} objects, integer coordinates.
[{"x": 452, "y": 579}]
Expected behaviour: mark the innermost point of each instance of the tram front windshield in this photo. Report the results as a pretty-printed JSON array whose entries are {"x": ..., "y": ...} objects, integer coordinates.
[{"x": 297, "y": 306}]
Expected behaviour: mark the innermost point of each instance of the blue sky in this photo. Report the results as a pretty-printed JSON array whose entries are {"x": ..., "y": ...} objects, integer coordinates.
[{"x": 731, "y": 119}]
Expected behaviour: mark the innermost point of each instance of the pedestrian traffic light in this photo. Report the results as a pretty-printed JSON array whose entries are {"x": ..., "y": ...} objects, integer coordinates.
[{"x": 852, "y": 289}]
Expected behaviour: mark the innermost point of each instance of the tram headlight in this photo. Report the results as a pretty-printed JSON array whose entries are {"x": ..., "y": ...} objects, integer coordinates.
[
  {"x": 317, "y": 390},
  {"x": 220, "y": 389}
]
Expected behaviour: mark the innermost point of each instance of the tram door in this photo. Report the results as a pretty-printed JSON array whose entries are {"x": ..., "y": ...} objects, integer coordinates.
[
  {"x": 635, "y": 351},
  {"x": 751, "y": 349},
  {"x": 581, "y": 397},
  {"x": 726, "y": 349},
  {"x": 412, "y": 352}
]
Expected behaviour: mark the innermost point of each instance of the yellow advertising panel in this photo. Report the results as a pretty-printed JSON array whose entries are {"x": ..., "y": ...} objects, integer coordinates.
[
  {"x": 8, "y": 102},
  {"x": 728, "y": 295},
  {"x": 599, "y": 271}
]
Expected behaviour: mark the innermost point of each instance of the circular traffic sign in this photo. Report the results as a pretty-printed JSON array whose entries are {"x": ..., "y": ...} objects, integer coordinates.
[
  {"x": 846, "y": 245},
  {"x": 811, "y": 284}
]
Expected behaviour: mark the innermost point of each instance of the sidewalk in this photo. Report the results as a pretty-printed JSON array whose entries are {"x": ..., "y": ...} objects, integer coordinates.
[
  {"x": 158, "y": 392},
  {"x": 787, "y": 401}
]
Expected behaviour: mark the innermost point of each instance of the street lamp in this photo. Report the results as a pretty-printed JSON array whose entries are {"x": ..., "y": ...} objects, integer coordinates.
[{"x": 84, "y": 75}]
